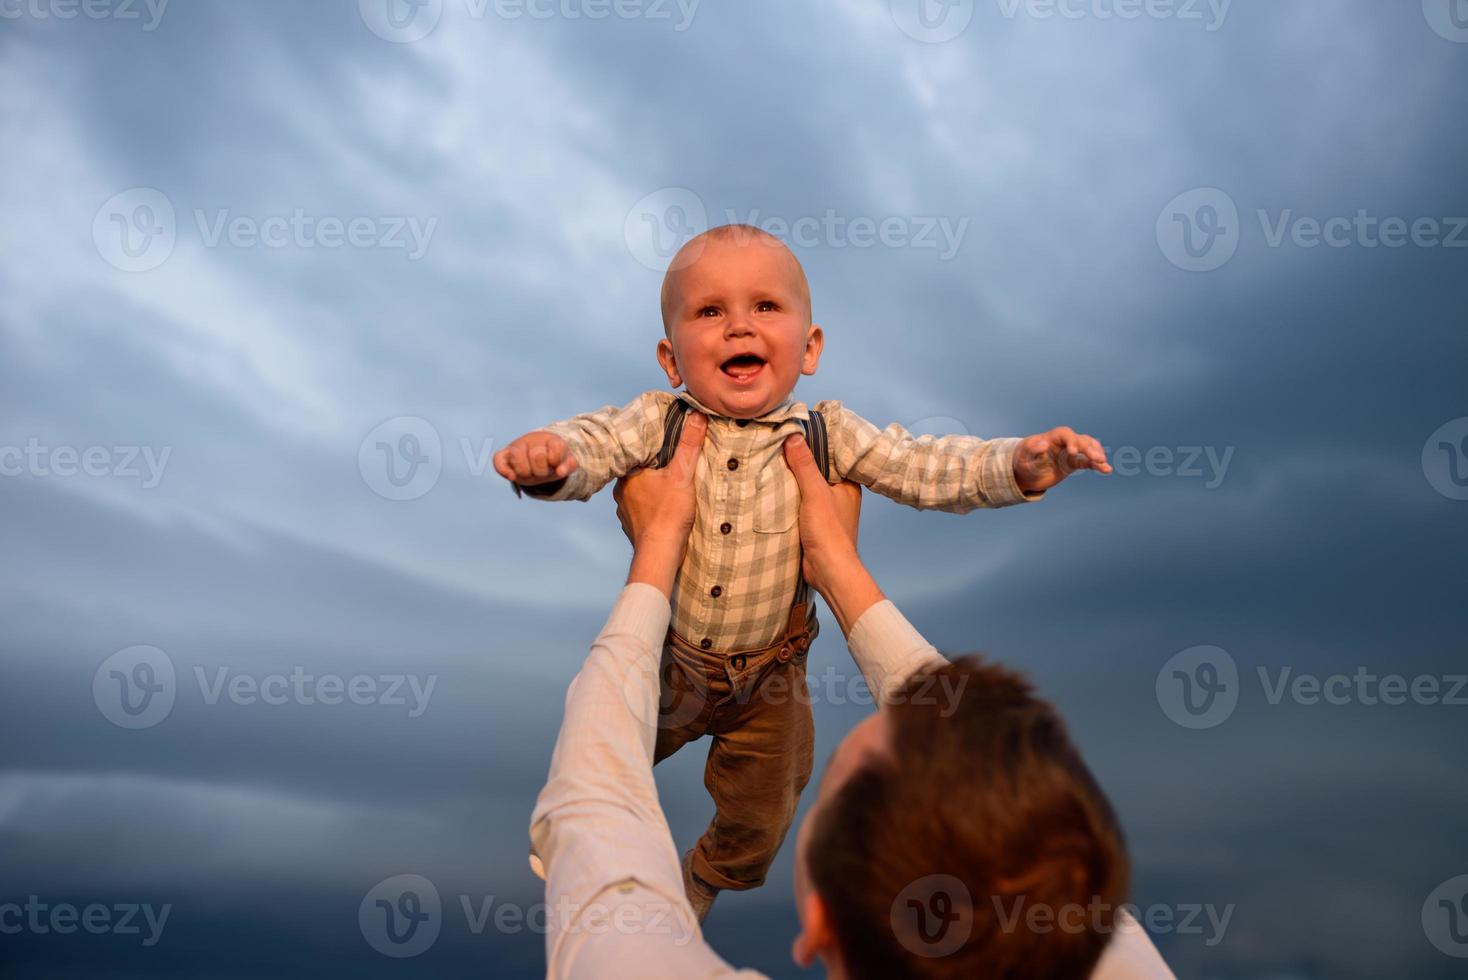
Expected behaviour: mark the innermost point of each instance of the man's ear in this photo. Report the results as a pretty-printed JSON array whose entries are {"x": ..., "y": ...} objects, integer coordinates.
[
  {"x": 669, "y": 362},
  {"x": 816, "y": 937},
  {"x": 815, "y": 341}
]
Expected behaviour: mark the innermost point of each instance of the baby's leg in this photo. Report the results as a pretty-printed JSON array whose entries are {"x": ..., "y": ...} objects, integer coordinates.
[
  {"x": 757, "y": 767},
  {"x": 686, "y": 697}
]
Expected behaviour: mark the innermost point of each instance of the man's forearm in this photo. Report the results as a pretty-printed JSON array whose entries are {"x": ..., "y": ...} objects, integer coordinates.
[
  {"x": 655, "y": 562},
  {"x": 849, "y": 590}
]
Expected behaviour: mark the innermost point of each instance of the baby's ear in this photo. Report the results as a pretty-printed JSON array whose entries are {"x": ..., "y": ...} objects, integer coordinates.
[
  {"x": 815, "y": 342},
  {"x": 669, "y": 362}
]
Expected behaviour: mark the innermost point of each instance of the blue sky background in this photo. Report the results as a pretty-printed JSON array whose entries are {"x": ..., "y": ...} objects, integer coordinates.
[{"x": 531, "y": 153}]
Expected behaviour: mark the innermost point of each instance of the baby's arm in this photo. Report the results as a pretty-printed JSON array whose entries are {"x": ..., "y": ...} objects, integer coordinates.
[
  {"x": 951, "y": 473},
  {"x": 572, "y": 460}
]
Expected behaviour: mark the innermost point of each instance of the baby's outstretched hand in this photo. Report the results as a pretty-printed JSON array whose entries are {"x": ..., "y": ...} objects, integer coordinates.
[
  {"x": 535, "y": 458},
  {"x": 1043, "y": 460}
]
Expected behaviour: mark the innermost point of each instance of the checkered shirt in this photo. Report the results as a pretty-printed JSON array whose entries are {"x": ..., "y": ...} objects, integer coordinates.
[{"x": 739, "y": 578}]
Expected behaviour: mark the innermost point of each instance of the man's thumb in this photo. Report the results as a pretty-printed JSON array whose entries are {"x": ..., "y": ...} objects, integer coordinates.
[
  {"x": 690, "y": 439},
  {"x": 801, "y": 462}
]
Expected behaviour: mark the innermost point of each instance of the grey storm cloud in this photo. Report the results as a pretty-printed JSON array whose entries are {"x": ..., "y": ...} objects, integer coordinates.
[{"x": 274, "y": 340}]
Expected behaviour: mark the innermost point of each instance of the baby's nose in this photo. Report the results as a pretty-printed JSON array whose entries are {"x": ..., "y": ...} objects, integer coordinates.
[{"x": 738, "y": 326}]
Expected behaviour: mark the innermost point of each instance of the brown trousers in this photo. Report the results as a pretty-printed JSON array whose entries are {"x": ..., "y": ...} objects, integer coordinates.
[{"x": 757, "y": 708}]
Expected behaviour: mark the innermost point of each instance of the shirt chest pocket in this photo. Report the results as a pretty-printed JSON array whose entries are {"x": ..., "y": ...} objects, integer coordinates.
[{"x": 776, "y": 499}]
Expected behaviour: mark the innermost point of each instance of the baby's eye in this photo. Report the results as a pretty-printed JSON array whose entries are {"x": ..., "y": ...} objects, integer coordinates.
[
  {"x": 709, "y": 311},
  {"x": 766, "y": 306}
]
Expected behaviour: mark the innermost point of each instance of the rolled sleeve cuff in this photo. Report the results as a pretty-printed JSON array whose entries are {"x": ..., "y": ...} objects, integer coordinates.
[
  {"x": 643, "y": 612},
  {"x": 996, "y": 476},
  {"x": 888, "y": 649}
]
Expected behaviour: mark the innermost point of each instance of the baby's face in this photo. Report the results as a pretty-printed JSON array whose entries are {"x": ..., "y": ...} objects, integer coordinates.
[{"x": 739, "y": 326}]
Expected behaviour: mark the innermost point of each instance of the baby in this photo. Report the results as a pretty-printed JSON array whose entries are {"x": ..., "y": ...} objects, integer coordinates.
[{"x": 737, "y": 336}]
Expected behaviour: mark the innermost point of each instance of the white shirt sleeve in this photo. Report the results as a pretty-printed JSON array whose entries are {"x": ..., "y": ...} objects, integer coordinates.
[
  {"x": 888, "y": 649},
  {"x": 614, "y": 886},
  {"x": 1131, "y": 955}
]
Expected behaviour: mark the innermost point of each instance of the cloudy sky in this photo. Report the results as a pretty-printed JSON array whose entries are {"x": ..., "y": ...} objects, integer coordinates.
[{"x": 276, "y": 278}]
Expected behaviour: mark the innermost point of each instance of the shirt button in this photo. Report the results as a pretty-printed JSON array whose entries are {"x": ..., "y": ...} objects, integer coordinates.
[
  {"x": 705, "y": 643},
  {"x": 725, "y": 527},
  {"x": 716, "y": 591},
  {"x": 733, "y": 464}
]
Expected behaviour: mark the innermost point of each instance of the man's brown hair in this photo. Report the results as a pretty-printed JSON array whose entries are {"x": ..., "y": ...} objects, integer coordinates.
[{"x": 986, "y": 788}]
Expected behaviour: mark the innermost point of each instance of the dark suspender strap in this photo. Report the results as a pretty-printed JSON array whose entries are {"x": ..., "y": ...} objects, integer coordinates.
[
  {"x": 815, "y": 437},
  {"x": 820, "y": 448},
  {"x": 672, "y": 431}
]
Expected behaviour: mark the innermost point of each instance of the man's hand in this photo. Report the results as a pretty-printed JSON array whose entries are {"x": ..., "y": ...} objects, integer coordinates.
[
  {"x": 656, "y": 508},
  {"x": 829, "y": 517},
  {"x": 535, "y": 458},
  {"x": 1043, "y": 460}
]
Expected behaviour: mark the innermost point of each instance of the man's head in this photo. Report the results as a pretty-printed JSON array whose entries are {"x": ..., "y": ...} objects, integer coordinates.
[
  {"x": 737, "y": 322},
  {"x": 984, "y": 787}
]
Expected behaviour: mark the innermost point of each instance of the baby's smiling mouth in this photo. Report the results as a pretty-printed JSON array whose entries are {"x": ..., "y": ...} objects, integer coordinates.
[{"x": 743, "y": 367}]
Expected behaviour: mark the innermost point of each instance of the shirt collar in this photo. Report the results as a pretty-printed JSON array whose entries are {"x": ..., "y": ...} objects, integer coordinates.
[{"x": 788, "y": 409}]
